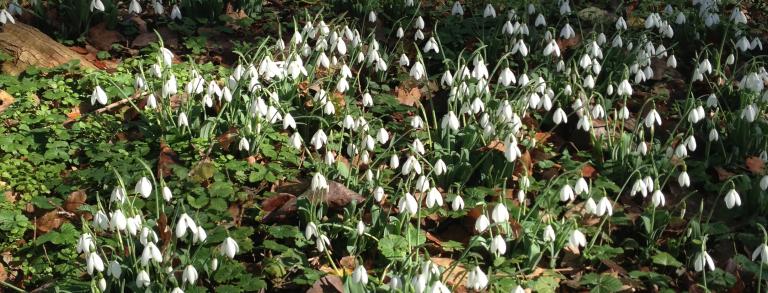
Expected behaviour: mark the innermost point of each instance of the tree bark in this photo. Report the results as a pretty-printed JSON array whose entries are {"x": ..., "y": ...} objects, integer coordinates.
[{"x": 28, "y": 46}]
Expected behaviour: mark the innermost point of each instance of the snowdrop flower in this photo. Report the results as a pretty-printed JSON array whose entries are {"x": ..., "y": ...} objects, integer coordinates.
[
  {"x": 508, "y": 29},
  {"x": 132, "y": 224},
  {"x": 143, "y": 187},
  {"x": 408, "y": 204},
  {"x": 418, "y": 23},
  {"x": 450, "y": 122},
  {"x": 713, "y": 135},
  {"x": 360, "y": 228},
  {"x": 456, "y": 9},
  {"x": 175, "y": 12},
  {"x": 431, "y": 45},
  {"x": 549, "y": 234},
  {"x": 418, "y": 71},
  {"x": 498, "y": 245},
  {"x": 540, "y": 21},
  {"x": 652, "y": 118},
  {"x": 581, "y": 186},
  {"x": 147, "y": 235},
  {"x": 489, "y": 11},
  {"x": 552, "y": 49},
  {"x": 623, "y": 113},
  {"x": 170, "y": 86},
  {"x": 732, "y": 199},
  {"x": 319, "y": 139},
  {"x": 762, "y": 253},
  {"x": 657, "y": 199},
  {"x": 566, "y": 193},
  {"x": 749, "y": 113},
  {"x": 134, "y": 7},
  {"x": 482, "y": 223},
  {"x": 500, "y": 214},
  {"x": 590, "y": 206},
  {"x": 117, "y": 221},
  {"x": 99, "y": 95},
  {"x": 458, "y": 203},
  {"x": 567, "y": 32},
  {"x": 94, "y": 263},
  {"x": 322, "y": 243},
  {"x": 418, "y": 36},
  {"x": 185, "y": 222},
  {"x": 764, "y": 182},
  {"x": 97, "y": 4},
  {"x": 142, "y": 279},
  {"x": 85, "y": 244},
  {"x": 101, "y": 220},
  {"x": 680, "y": 18},
  {"x": 511, "y": 150},
  {"x": 559, "y": 116},
  {"x": 712, "y": 101},
  {"x": 6, "y": 17},
  {"x": 683, "y": 179},
  {"x": 310, "y": 231},
  {"x": 229, "y": 247},
  {"x": 506, "y": 77},
  {"x": 319, "y": 184},
  {"x": 737, "y": 16},
  {"x": 621, "y": 24},
  {"x": 404, "y": 61},
  {"x": 639, "y": 186},
  {"x": 360, "y": 275},
  {"x": 114, "y": 269},
  {"x": 434, "y": 198},
  {"x": 367, "y": 100},
  {"x": 440, "y": 168},
  {"x": 604, "y": 207},
  {"x": 371, "y": 16},
  {"x": 702, "y": 261},
  {"x": 151, "y": 252},
  {"x": 477, "y": 280},
  {"x": 577, "y": 239},
  {"x": 624, "y": 89},
  {"x": 189, "y": 275},
  {"x": 518, "y": 289},
  {"x": 295, "y": 141}
]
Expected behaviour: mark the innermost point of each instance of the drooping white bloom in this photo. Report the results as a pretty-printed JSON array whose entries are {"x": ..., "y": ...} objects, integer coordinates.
[
  {"x": 117, "y": 221},
  {"x": 99, "y": 95},
  {"x": 652, "y": 118},
  {"x": 142, "y": 279},
  {"x": 732, "y": 199},
  {"x": 360, "y": 275},
  {"x": 450, "y": 122},
  {"x": 604, "y": 207},
  {"x": 577, "y": 239},
  {"x": 764, "y": 182},
  {"x": 549, "y": 234},
  {"x": 418, "y": 71},
  {"x": 134, "y": 7},
  {"x": 229, "y": 247},
  {"x": 489, "y": 11},
  {"x": 581, "y": 186},
  {"x": 151, "y": 252},
  {"x": 498, "y": 245},
  {"x": 408, "y": 204},
  {"x": 378, "y": 193},
  {"x": 143, "y": 187},
  {"x": 657, "y": 199},
  {"x": 762, "y": 253},
  {"x": 175, "y": 12},
  {"x": 477, "y": 280},
  {"x": 482, "y": 223},
  {"x": 185, "y": 223},
  {"x": 559, "y": 116},
  {"x": 457, "y": 204},
  {"x": 702, "y": 261},
  {"x": 440, "y": 168},
  {"x": 97, "y": 4},
  {"x": 500, "y": 214},
  {"x": 566, "y": 193},
  {"x": 372, "y": 16},
  {"x": 456, "y": 9}
]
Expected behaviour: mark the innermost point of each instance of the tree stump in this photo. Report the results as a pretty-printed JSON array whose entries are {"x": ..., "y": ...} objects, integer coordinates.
[{"x": 29, "y": 46}]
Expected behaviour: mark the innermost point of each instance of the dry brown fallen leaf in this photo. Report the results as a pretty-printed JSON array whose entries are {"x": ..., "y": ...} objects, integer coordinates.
[
  {"x": 165, "y": 160},
  {"x": 75, "y": 200},
  {"x": 327, "y": 284},
  {"x": 408, "y": 97},
  {"x": 723, "y": 174},
  {"x": 457, "y": 277},
  {"x": 50, "y": 221},
  {"x": 5, "y": 100},
  {"x": 755, "y": 165}
]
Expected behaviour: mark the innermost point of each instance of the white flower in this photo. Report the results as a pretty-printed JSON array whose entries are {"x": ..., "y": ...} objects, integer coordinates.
[
  {"x": 200, "y": 235},
  {"x": 506, "y": 77},
  {"x": 408, "y": 204},
  {"x": 319, "y": 139},
  {"x": 511, "y": 150},
  {"x": 229, "y": 247},
  {"x": 93, "y": 262},
  {"x": 322, "y": 243},
  {"x": 559, "y": 116},
  {"x": 482, "y": 223},
  {"x": 151, "y": 252},
  {"x": 651, "y": 118},
  {"x": 360, "y": 228},
  {"x": 85, "y": 244},
  {"x": 142, "y": 279},
  {"x": 713, "y": 135},
  {"x": 134, "y": 7},
  {"x": 450, "y": 121},
  {"x": 549, "y": 234},
  {"x": 99, "y": 95},
  {"x": 371, "y": 16},
  {"x": 189, "y": 275},
  {"x": 97, "y": 4},
  {"x": 310, "y": 230},
  {"x": 489, "y": 11},
  {"x": 114, "y": 269},
  {"x": 624, "y": 89},
  {"x": 175, "y": 12},
  {"x": 418, "y": 147},
  {"x": 518, "y": 289},
  {"x": 434, "y": 198},
  {"x": 604, "y": 207},
  {"x": 590, "y": 206},
  {"x": 118, "y": 221},
  {"x": 378, "y": 193},
  {"x": 764, "y": 182},
  {"x": 581, "y": 186},
  {"x": 657, "y": 199},
  {"x": 577, "y": 239},
  {"x": 457, "y": 204},
  {"x": 732, "y": 199},
  {"x": 621, "y": 24},
  {"x": 185, "y": 222},
  {"x": 683, "y": 179},
  {"x": 440, "y": 168},
  {"x": 498, "y": 245},
  {"x": 540, "y": 21},
  {"x": 477, "y": 280},
  {"x": 500, "y": 214},
  {"x": 411, "y": 164},
  {"x": 319, "y": 183},
  {"x": 762, "y": 253},
  {"x": 143, "y": 187},
  {"x": 703, "y": 260},
  {"x": 439, "y": 287},
  {"x": 456, "y": 9},
  {"x": 418, "y": 71},
  {"x": 566, "y": 193},
  {"x": 183, "y": 121},
  {"x": 360, "y": 275}
]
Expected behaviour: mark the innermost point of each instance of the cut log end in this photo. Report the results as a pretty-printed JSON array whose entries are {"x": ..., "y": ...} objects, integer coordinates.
[{"x": 29, "y": 46}]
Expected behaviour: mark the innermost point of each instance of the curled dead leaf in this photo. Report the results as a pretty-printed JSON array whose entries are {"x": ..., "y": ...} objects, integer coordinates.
[
  {"x": 755, "y": 165},
  {"x": 407, "y": 96}
]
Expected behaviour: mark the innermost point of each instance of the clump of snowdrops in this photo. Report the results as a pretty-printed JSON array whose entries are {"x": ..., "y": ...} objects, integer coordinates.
[{"x": 318, "y": 89}]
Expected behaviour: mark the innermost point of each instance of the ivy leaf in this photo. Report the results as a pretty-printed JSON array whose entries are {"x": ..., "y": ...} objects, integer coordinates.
[{"x": 666, "y": 259}]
